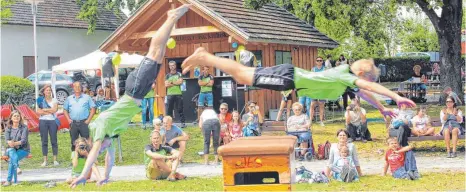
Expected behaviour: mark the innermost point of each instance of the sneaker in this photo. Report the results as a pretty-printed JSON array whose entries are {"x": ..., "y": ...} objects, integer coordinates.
[
  {"x": 453, "y": 154},
  {"x": 6, "y": 183},
  {"x": 55, "y": 163},
  {"x": 43, "y": 164},
  {"x": 411, "y": 175},
  {"x": 180, "y": 176},
  {"x": 358, "y": 138},
  {"x": 322, "y": 124},
  {"x": 364, "y": 141},
  {"x": 416, "y": 174},
  {"x": 449, "y": 155}
]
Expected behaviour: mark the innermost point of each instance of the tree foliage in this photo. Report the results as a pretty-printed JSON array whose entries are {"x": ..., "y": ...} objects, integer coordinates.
[
  {"x": 417, "y": 36},
  {"x": 5, "y": 12},
  {"x": 90, "y": 9}
]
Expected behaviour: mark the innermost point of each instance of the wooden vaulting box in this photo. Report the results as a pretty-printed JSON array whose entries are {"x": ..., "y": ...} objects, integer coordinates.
[{"x": 263, "y": 163}]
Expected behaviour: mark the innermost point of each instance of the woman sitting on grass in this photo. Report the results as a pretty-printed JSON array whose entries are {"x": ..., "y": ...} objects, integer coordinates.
[
  {"x": 82, "y": 149},
  {"x": 421, "y": 124},
  {"x": 334, "y": 154}
]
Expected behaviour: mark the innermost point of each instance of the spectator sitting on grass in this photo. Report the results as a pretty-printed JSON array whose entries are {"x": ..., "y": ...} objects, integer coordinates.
[
  {"x": 334, "y": 153},
  {"x": 421, "y": 124},
  {"x": 356, "y": 122},
  {"x": 161, "y": 161},
  {"x": 174, "y": 136},
  {"x": 82, "y": 151},
  {"x": 343, "y": 168},
  {"x": 395, "y": 159}
]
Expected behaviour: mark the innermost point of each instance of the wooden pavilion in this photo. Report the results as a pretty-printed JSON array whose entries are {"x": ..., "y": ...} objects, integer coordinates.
[{"x": 274, "y": 35}]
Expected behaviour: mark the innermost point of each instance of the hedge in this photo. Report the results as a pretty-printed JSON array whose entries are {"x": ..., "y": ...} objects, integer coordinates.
[
  {"x": 14, "y": 85},
  {"x": 401, "y": 68}
]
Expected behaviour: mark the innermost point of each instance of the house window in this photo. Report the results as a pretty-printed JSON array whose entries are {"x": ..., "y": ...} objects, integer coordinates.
[
  {"x": 282, "y": 57},
  {"x": 28, "y": 65},
  {"x": 53, "y": 61}
]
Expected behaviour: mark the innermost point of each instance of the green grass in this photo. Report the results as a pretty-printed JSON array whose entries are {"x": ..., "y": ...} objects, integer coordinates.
[{"x": 429, "y": 181}]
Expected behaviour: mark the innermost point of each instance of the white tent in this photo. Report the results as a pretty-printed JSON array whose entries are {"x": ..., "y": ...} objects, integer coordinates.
[{"x": 93, "y": 61}]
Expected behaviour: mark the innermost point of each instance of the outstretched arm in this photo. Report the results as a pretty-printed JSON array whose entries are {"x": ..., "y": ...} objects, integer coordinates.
[
  {"x": 379, "y": 89},
  {"x": 366, "y": 95}
]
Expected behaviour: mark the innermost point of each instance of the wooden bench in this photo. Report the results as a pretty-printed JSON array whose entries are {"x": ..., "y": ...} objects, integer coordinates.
[
  {"x": 430, "y": 138},
  {"x": 273, "y": 126}
]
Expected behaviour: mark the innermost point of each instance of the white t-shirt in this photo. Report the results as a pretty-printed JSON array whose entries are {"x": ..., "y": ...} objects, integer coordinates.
[
  {"x": 50, "y": 116},
  {"x": 208, "y": 114},
  {"x": 356, "y": 119},
  {"x": 328, "y": 64},
  {"x": 420, "y": 123}
]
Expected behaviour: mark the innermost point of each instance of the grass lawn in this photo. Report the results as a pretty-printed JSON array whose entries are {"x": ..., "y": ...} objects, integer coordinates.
[
  {"x": 134, "y": 140},
  {"x": 429, "y": 181}
]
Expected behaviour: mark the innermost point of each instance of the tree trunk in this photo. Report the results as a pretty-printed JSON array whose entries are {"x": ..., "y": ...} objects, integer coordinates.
[{"x": 449, "y": 33}]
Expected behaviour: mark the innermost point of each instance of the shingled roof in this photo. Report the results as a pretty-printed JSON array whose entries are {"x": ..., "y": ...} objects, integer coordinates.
[
  {"x": 270, "y": 23},
  {"x": 61, "y": 13}
]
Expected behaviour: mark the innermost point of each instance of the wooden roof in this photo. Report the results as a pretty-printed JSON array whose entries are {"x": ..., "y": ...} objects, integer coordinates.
[{"x": 270, "y": 24}]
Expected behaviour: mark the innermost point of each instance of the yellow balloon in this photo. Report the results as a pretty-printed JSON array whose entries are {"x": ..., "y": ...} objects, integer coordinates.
[
  {"x": 116, "y": 59},
  {"x": 171, "y": 43},
  {"x": 241, "y": 47}
]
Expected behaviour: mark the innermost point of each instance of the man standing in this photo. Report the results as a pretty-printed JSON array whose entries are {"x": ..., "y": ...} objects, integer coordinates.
[
  {"x": 205, "y": 81},
  {"x": 318, "y": 68},
  {"x": 173, "y": 80},
  {"x": 79, "y": 109}
]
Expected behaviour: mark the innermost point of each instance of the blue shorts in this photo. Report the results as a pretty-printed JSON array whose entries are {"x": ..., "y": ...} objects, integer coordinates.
[
  {"x": 303, "y": 136},
  {"x": 203, "y": 97}
]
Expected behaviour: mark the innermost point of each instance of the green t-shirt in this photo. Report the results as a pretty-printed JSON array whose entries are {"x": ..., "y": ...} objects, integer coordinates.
[
  {"x": 162, "y": 150},
  {"x": 329, "y": 84},
  {"x": 173, "y": 90},
  {"x": 80, "y": 166},
  {"x": 207, "y": 78},
  {"x": 150, "y": 94}
]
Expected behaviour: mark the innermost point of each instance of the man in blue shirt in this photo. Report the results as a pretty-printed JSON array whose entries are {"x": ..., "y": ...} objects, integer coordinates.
[
  {"x": 174, "y": 136},
  {"x": 79, "y": 109}
]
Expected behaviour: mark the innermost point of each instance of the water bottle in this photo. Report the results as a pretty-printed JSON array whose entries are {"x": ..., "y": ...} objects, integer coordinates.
[{"x": 197, "y": 72}]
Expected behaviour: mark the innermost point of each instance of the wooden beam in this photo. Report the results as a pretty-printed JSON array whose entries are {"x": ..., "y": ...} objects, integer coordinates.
[
  {"x": 150, "y": 28},
  {"x": 178, "y": 32}
]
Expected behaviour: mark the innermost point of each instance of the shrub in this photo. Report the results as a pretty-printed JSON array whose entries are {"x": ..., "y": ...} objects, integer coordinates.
[
  {"x": 14, "y": 85},
  {"x": 401, "y": 68}
]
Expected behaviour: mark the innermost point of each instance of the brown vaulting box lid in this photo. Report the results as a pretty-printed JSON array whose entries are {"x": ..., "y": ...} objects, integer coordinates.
[{"x": 263, "y": 145}]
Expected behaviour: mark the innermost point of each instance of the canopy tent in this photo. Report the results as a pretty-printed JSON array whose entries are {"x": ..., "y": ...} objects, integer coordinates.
[{"x": 93, "y": 61}]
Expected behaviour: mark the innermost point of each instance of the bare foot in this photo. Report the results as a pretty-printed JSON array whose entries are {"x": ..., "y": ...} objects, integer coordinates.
[
  {"x": 194, "y": 60},
  {"x": 178, "y": 12}
]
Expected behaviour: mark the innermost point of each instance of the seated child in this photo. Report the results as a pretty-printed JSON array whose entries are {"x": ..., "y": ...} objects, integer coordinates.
[
  {"x": 421, "y": 124},
  {"x": 158, "y": 126},
  {"x": 224, "y": 133},
  {"x": 395, "y": 159},
  {"x": 250, "y": 129},
  {"x": 344, "y": 169},
  {"x": 82, "y": 149},
  {"x": 235, "y": 127}
]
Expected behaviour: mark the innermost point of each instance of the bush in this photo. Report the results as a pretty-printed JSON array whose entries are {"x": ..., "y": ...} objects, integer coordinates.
[
  {"x": 401, "y": 68},
  {"x": 14, "y": 85}
]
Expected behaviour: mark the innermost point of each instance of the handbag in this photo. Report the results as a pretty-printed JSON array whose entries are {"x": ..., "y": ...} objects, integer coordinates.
[{"x": 46, "y": 105}]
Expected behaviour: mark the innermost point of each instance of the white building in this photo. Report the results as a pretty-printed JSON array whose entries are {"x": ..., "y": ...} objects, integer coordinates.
[{"x": 61, "y": 36}]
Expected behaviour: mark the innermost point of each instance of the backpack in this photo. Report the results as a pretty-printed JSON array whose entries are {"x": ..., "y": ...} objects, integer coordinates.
[{"x": 323, "y": 150}]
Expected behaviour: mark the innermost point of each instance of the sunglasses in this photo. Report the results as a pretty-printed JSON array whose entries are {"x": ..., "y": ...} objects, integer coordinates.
[{"x": 319, "y": 60}]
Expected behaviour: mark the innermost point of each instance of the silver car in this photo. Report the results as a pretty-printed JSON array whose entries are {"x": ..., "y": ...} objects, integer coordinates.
[{"x": 63, "y": 84}]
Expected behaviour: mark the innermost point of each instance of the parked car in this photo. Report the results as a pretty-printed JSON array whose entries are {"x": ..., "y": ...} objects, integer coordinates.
[
  {"x": 94, "y": 81},
  {"x": 63, "y": 84}
]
